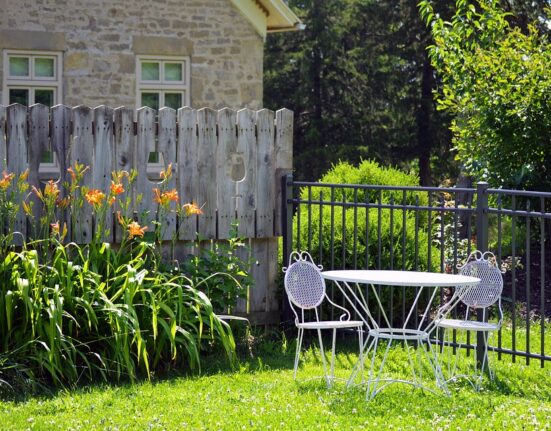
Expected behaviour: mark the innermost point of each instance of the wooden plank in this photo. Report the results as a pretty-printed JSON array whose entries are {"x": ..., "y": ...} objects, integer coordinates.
[
  {"x": 230, "y": 167},
  {"x": 145, "y": 140},
  {"x": 60, "y": 131},
  {"x": 102, "y": 165},
  {"x": 167, "y": 147},
  {"x": 246, "y": 188},
  {"x": 124, "y": 154},
  {"x": 272, "y": 301},
  {"x": 283, "y": 160},
  {"x": 206, "y": 171},
  {"x": 242, "y": 304},
  {"x": 265, "y": 184},
  {"x": 82, "y": 152},
  {"x": 187, "y": 168},
  {"x": 16, "y": 152},
  {"x": 259, "y": 271},
  {"x": 2, "y": 138},
  {"x": 39, "y": 125}
]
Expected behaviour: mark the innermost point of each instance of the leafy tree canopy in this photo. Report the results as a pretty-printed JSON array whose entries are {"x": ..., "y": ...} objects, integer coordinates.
[{"x": 495, "y": 81}]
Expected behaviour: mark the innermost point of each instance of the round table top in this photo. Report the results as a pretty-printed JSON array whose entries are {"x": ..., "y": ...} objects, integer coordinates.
[{"x": 399, "y": 278}]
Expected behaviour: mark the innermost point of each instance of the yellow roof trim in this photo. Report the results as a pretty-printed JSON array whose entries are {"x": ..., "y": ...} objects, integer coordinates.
[{"x": 268, "y": 16}]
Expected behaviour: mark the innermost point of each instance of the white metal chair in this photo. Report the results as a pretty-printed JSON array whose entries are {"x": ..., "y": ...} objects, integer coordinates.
[
  {"x": 483, "y": 296},
  {"x": 305, "y": 289}
]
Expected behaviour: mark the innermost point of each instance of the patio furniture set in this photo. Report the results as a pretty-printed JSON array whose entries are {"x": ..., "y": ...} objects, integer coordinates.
[{"x": 477, "y": 286}]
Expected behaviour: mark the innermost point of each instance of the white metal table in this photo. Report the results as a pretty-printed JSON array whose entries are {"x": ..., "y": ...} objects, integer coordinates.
[{"x": 416, "y": 327}]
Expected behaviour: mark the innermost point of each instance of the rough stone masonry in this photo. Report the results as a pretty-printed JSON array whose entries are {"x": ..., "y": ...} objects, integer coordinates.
[{"x": 100, "y": 40}]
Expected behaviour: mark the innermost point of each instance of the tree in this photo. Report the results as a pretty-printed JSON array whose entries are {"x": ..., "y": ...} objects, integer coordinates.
[
  {"x": 360, "y": 83},
  {"x": 495, "y": 81}
]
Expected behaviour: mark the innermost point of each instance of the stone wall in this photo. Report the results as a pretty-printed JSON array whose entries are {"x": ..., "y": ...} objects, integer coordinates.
[{"x": 100, "y": 40}]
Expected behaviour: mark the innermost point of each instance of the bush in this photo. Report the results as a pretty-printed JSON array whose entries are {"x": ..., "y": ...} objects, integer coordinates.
[{"x": 390, "y": 222}]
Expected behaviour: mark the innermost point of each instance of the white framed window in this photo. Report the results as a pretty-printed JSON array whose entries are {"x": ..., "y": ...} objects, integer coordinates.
[
  {"x": 162, "y": 81},
  {"x": 33, "y": 77}
]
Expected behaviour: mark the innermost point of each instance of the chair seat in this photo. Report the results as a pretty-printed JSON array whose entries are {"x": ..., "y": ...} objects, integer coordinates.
[
  {"x": 331, "y": 324},
  {"x": 469, "y": 325}
]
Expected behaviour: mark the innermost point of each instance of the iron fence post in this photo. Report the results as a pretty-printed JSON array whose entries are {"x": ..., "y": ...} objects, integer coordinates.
[
  {"x": 287, "y": 230},
  {"x": 481, "y": 245}
]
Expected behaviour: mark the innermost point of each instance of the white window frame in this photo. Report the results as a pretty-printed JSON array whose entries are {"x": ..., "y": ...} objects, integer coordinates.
[
  {"x": 162, "y": 87},
  {"x": 33, "y": 83}
]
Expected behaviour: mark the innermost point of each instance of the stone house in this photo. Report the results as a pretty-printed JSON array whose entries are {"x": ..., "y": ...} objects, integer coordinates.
[{"x": 200, "y": 53}]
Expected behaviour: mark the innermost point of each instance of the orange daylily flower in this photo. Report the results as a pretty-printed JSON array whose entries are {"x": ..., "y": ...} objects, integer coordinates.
[
  {"x": 51, "y": 189},
  {"x": 73, "y": 175},
  {"x": 191, "y": 208},
  {"x": 120, "y": 219},
  {"x": 6, "y": 180},
  {"x": 134, "y": 229},
  {"x": 166, "y": 173},
  {"x": 116, "y": 188},
  {"x": 112, "y": 200},
  {"x": 157, "y": 196},
  {"x": 63, "y": 203},
  {"x": 27, "y": 208},
  {"x": 24, "y": 175},
  {"x": 166, "y": 197},
  {"x": 171, "y": 195},
  {"x": 94, "y": 197}
]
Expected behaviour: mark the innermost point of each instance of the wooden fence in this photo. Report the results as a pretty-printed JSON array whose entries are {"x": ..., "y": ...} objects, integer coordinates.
[{"x": 228, "y": 161}]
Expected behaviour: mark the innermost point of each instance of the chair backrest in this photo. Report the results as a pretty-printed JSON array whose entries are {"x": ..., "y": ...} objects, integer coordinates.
[
  {"x": 304, "y": 284},
  {"x": 488, "y": 292}
]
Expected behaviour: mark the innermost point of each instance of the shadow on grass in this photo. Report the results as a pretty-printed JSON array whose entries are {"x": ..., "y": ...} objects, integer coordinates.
[{"x": 272, "y": 351}]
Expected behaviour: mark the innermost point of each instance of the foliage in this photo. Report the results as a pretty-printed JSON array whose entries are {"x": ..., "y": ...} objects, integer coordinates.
[
  {"x": 73, "y": 313},
  {"x": 220, "y": 272},
  {"x": 495, "y": 81}
]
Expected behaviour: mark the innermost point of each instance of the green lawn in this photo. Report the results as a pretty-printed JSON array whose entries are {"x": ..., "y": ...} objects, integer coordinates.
[{"x": 262, "y": 395}]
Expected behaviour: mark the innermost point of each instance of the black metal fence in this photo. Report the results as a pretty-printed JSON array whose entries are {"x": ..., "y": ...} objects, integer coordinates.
[{"x": 349, "y": 226}]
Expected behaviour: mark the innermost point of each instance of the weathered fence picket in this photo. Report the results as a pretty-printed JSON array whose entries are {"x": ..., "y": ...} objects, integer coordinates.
[{"x": 227, "y": 162}]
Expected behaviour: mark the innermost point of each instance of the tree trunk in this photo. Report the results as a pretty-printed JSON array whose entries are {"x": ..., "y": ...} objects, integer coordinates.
[{"x": 424, "y": 118}]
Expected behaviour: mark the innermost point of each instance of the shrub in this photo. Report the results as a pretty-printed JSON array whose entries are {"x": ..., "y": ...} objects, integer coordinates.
[{"x": 390, "y": 222}]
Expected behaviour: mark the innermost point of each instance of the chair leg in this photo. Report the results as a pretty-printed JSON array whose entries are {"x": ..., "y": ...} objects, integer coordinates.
[
  {"x": 323, "y": 359},
  {"x": 360, "y": 357},
  {"x": 333, "y": 355},
  {"x": 297, "y": 354}
]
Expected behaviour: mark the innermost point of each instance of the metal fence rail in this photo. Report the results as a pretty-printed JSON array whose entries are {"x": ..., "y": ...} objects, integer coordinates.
[{"x": 354, "y": 226}]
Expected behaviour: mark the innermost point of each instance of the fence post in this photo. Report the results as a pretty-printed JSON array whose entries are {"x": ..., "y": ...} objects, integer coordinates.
[
  {"x": 287, "y": 230},
  {"x": 481, "y": 245}
]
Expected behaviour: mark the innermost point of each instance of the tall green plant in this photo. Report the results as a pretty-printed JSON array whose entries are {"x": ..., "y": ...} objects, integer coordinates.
[{"x": 73, "y": 312}]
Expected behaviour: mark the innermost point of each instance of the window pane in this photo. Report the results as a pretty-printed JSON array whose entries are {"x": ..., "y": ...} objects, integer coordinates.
[
  {"x": 150, "y": 71},
  {"x": 19, "y": 95},
  {"x": 153, "y": 157},
  {"x": 47, "y": 157},
  {"x": 151, "y": 100},
  {"x": 173, "y": 100},
  {"x": 19, "y": 66},
  {"x": 173, "y": 71},
  {"x": 44, "y": 67},
  {"x": 46, "y": 97}
]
